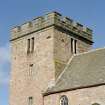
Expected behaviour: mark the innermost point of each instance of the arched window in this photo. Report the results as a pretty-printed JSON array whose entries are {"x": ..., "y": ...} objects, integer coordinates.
[
  {"x": 95, "y": 104},
  {"x": 63, "y": 100}
]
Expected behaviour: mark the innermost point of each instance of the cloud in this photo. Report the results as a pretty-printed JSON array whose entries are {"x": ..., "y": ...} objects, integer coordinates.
[
  {"x": 4, "y": 79},
  {"x": 4, "y": 53},
  {"x": 4, "y": 64}
]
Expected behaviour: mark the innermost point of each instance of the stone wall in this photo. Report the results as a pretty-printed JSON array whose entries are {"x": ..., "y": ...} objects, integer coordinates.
[
  {"x": 62, "y": 49},
  {"x": 86, "y": 96},
  {"x": 22, "y": 84},
  {"x": 49, "y": 19},
  {"x": 51, "y": 54}
]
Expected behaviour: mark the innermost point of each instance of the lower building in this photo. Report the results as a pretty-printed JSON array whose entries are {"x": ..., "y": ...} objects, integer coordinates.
[{"x": 81, "y": 83}]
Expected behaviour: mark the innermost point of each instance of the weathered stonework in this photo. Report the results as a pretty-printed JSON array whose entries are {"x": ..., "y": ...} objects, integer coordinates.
[
  {"x": 50, "y": 19},
  {"x": 85, "y": 96},
  {"x": 22, "y": 85},
  {"x": 62, "y": 49},
  {"x": 52, "y": 50}
]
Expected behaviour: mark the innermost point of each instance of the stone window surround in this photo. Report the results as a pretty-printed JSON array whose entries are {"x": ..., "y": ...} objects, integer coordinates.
[
  {"x": 63, "y": 100},
  {"x": 30, "y": 45},
  {"x": 73, "y": 46}
]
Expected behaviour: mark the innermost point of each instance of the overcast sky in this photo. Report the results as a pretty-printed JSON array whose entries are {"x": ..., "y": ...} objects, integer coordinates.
[{"x": 14, "y": 12}]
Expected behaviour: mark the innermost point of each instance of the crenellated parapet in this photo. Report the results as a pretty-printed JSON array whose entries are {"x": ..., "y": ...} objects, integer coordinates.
[{"x": 48, "y": 20}]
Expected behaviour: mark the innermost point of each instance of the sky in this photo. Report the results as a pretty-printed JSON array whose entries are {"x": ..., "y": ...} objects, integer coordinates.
[{"x": 90, "y": 13}]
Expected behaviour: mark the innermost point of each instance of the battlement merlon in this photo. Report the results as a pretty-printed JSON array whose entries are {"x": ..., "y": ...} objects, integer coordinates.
[{"x": 51, "y": 19}]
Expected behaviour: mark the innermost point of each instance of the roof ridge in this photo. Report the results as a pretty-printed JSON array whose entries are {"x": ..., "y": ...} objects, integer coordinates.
[
  {"x": 68, "y": 63},
  {"x": 75, "y": 55},
  {"x": 76, "y": 76}
]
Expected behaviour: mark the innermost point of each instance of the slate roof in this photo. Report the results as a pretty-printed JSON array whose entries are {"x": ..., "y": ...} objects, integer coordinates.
[{"x": 84, "y": 70}]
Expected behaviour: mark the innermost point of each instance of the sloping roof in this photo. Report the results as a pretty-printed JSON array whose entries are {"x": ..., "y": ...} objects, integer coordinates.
[{"x": 84, "y": 70}]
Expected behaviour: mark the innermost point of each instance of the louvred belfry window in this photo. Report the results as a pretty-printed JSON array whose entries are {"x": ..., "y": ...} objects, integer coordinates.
[
  {"x": 73, "y": 46},
  {"x": 30, "y": 45}
]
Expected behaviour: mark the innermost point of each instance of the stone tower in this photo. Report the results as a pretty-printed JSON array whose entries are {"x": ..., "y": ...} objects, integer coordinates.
[{"x": 41, "y": 49}]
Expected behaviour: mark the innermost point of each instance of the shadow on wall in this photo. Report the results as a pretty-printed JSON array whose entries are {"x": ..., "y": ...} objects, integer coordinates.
[{"x": 95, "y": 104}]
